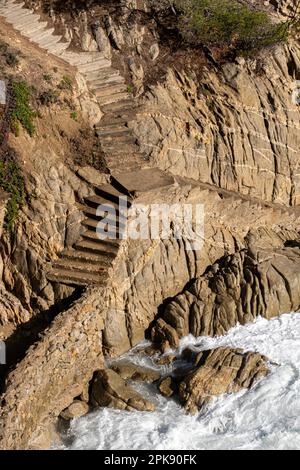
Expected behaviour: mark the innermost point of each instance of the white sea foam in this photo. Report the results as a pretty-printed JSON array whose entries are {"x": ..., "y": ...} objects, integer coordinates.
[{"x": 266, "y": 417}]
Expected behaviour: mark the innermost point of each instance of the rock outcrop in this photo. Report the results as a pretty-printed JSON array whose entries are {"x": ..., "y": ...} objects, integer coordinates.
[
  {"x": 129, "y": 370},
  {"x": 220, "y": 371},
  {"x": 110, "y": 390},
  {"x": 77, "y": 409},
  {"x": 236, "y": 289},
  {"x": 237, "y": 129}
]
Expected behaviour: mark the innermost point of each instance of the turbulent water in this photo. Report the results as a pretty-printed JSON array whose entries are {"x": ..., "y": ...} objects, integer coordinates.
[{"x": 266, "y": 417}]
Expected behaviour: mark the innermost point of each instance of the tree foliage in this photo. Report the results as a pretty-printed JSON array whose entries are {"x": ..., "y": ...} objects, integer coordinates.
[{"x": 228, "y": 23}]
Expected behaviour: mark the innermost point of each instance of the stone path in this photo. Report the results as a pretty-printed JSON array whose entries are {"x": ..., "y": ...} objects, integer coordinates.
[{"x": 89, "y": 260}]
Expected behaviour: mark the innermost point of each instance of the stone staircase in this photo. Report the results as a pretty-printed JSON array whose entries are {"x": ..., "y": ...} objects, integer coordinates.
[{"x": 89, "y": 261}]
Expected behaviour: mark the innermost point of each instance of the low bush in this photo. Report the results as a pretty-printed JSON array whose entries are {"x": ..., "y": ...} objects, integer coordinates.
[
  {"x": 12, "y": 182},
  {"x": 229, "y": 24},
  {"x": 22, "y": 112}
]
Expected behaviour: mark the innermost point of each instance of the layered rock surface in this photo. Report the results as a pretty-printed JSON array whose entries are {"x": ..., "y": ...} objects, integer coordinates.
[
  {"x": 238, "y": 131},
  {"x": 237, "y": 289},
  {"x": 220, "y": 371},
  {"x": 110, "y": 390},
  {"x": 238, "y": 128}
]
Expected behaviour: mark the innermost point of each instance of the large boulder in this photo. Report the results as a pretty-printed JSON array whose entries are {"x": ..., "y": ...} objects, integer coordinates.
[
  {"x": 77, "y": 409},
  {"x": 110, "y": 390},
  {"x": 220, "y": 371},
  {"x": 129, "y": 370}
]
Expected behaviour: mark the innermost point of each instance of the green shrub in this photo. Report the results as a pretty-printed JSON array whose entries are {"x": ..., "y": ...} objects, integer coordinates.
[
  {"x": 66, "y": 83},
  {"x": 228, "y": 23},
  {"x": 22, "y": 112},
  {"x": 11, "y": 56},
  {"x": 11, "y": 181},
  {"x": 47, "y": 77},
  {"x": 49, "y": 97},
  {"x": 74, "y": 116}
]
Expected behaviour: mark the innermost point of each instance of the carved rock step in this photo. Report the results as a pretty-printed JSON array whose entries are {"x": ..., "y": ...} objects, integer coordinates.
[
  {"x": 94, "y": 202},
  {"x": 126, "y": 105},
  {"x": 122, "y": 153},
  {"x": 42, "y": 35},
  {"x": 125, "y": 162},
  {"x": 117, "y": 119},
  {"x": 110, "y": 192},
  {"x": 104, "y": 73},
  {"x": 93, "y": 223},
  {"x": 113, "y": 131},
  {"x": 145, "y": 180},
  {"x": 31, "y": 23},
  {"x": 97, "y": 215},
  {"x": 79, "y": 265},
  {"x": 97, "y": 247},
  {"x": 112, "y": 98},
  {"x": 109, "y": 141},
  {"x": 48, "y": 41},
  {"x": 109, "y": 89},
  {"x": 111, "y": 244},
  {"x": 83, "y": 58},
  {"x": 10, "y": 5},
  {"x": 96, "y": 64},
  {"x": 73, "y": 278},
  {"x": 91, "y": 258},
  {"x": 18, "y": 14},
  {"x": 32, "y": 27},
  {"x": 99, "y": 83}
]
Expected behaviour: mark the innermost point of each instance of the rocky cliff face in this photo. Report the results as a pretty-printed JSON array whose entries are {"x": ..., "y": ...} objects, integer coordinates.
[
  {"x": 238, "y": 128},
  {"x": 228, "y": 140}
]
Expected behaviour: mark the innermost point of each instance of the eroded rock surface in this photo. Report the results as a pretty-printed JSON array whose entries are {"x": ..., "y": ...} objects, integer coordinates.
[
  {"x": 110, "y": 390},
  {"x": 220, "y": 371},
  {"x": 129, "y": 370},
  {"x": 237, "y": 289},
  {"x": 77, "y": 409},
  {"x": 213, "y": 373}
]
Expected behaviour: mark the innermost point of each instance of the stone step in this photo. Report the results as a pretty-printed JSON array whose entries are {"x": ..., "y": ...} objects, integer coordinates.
[
  {"x": 123, "y": 105},
  {"x": 96, "y": 247},
  {"x": 109, "y": 89},
  {"x": 79, "y": 265},
  {"x": 13, "y": 16},
  {"x": 41, "y": 35},
  {"x": 99, "y": 83},
  {"x": 59, "y": 48},
  {"x": 83, "y": 58},
  {"x": 25, "y": 23},
  {"x": 104, "y": 73},
  {"x": 110, "y": 240},
  {"x": 113, "y": 132},
  {"x": 73, "y": 278},
  {"x": 29, "y": 29},
  {"x": 101, "y": 206},
  {"x": 116, "y": 120},
  {"x": 97, "y": 64},
  {"x": 111, "y": 99},
  {"x": 48, "y": 41},
  {"x": 91, "y": 258},
  {"x": 120, "y": 148},
  {"x": 94, "y": 223},
  {"x": 109, "y": 192},
  {"x": 11, "y": 6}
]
